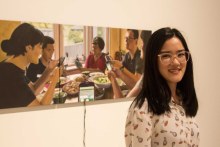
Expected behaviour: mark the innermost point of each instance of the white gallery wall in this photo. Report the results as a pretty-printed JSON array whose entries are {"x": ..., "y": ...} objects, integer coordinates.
[{"x": 199, "y": 21}]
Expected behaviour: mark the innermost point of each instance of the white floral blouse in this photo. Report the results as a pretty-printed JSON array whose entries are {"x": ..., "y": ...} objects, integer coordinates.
[{"x": 173, "y": 129}]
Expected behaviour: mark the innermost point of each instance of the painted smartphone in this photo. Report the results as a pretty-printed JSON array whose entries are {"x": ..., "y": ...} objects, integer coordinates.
[
  {"x": 108, "y": 62},
  {"x": 86, "y": 91},
  {"x": 61, "y": 60},
  {"x": 107, "y": 58}
]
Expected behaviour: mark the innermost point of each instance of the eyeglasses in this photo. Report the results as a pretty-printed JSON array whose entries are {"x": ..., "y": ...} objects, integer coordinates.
[
  {"x": 129, "y": 38},
  {"x": 167, "y": 58}
]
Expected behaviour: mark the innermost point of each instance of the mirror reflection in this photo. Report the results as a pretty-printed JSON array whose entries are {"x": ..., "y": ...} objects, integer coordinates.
[{"x": 44, "y": 63}]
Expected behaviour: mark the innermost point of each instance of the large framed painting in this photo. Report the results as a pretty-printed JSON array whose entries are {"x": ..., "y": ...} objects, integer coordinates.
[{"x": 89, "y": 59}]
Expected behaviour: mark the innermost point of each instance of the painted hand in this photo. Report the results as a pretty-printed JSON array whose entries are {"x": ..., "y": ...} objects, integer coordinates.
[{"x": 116, "y": 64}]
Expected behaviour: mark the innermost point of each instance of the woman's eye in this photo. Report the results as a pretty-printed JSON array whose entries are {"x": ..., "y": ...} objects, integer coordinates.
[
  {"x": 180, "y": 55},
  {"x": 166, "y": 56}
]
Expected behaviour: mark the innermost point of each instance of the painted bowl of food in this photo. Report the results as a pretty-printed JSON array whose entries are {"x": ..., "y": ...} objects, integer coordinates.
[
  {"x": 59, "y": 97},
  {"x": 101, "y": 81},
  {"x": 86, "y": 73},
  {"x": 62, "y": 81},
  {"x": 92, "y": 74},
  {"x": 71, "y": 88}
]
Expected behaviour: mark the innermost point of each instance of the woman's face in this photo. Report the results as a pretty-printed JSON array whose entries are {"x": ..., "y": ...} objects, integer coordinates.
[
  {"x": 34, "y": 53},
  {"x": 95, "y": 49},
  {"x": 172, "y": 72}
]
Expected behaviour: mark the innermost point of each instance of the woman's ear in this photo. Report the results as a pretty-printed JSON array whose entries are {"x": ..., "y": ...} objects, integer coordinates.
[{"x": 28, "y": 47}]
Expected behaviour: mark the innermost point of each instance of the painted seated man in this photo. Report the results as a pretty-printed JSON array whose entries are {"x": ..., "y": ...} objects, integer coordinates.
[{"x": 37, "y": 69}]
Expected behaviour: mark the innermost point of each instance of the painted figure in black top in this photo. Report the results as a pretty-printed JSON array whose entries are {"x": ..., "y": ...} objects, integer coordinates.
[{"x": 24, "y": 47}]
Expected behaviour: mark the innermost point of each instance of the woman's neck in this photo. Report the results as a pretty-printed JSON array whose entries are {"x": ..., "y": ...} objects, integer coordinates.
[
  {"x": 174, "y": 93},
  {"x": 97, "y": 55},
  {"x": 19, "y": 61}
]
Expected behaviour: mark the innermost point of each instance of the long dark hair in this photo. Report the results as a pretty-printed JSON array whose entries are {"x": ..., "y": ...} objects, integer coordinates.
[
  {"x": 25, "y": 34},
  {"x": 155, "y": 89}
]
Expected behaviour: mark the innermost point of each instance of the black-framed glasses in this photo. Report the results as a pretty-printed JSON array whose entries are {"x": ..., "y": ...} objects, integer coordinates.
[
  {"x": 129, "y": 38},
  {"x": 167, "y": 58}
]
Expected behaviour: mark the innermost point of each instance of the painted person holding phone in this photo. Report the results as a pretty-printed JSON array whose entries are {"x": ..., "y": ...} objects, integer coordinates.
[
  {"x": 34, "y": 70},
  {"x": 162, "y": 115},
  {"x": 24, "y": 47},
  {"x": 130, "y": 69},
  {"x": 96, "y": 60},
  {"x": 136, "y": 84}
]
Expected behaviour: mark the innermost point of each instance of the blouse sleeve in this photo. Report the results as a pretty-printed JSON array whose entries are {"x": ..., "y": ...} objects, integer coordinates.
[{"x": 138, "y": 129}]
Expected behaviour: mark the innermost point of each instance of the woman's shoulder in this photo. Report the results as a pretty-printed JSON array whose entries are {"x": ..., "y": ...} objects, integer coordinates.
[
  {"x": 90, "y": 55},
  {"x": 7, "y": 66},
  {"x": 103, "y": 55},
  {"x": 140, "y": 115},
  {"x": 142, "y": 110},
  {"x": 89, "y": 58},
  {"x": 3, "y": 63}
]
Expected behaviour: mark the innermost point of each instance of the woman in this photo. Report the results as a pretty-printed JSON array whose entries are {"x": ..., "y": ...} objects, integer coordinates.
[
  {"x": 96, "y": 60},
  {"x": 24, "y": 47},
  {"x": 163, "y": 112}
]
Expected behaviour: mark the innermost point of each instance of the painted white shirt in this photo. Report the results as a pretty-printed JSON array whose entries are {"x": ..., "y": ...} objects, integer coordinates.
[{"x": 173, "y": 129}]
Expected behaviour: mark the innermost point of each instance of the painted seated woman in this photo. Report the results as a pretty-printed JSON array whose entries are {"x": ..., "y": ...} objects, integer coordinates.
[
  {"x": 96, "y": 60},
  {"x": 24, "y": 47}
]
